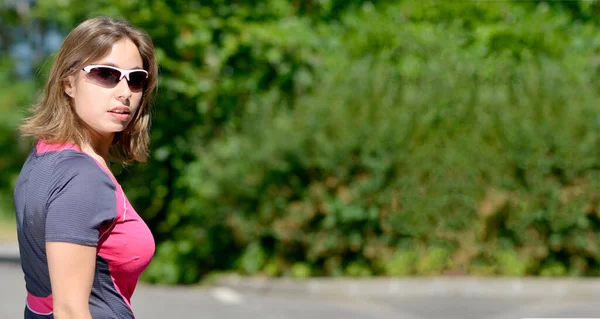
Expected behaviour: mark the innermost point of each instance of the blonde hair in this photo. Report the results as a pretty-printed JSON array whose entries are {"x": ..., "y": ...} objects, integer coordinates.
[{"x": 54, "y": 119}]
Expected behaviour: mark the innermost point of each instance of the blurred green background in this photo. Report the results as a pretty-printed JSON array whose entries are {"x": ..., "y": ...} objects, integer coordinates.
[{"x": 349, "y": 137}]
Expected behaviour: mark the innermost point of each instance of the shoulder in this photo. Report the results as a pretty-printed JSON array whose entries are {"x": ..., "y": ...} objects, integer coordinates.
[
  {"x": 82, "y": 199},
  {"x": 79, "y": 168}
]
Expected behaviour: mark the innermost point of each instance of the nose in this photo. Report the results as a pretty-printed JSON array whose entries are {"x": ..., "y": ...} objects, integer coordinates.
[{"x": 122, "y": 89}]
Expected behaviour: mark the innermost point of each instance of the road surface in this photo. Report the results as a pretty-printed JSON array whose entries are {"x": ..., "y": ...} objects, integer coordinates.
[{"x": 154, "y": 302}]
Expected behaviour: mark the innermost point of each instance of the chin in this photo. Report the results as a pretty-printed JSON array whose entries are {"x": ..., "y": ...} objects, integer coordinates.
[{"x": 116, "y": 129}]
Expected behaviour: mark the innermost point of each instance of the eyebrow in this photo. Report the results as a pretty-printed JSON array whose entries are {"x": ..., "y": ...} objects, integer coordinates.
[{"x": 112, "y": 64}]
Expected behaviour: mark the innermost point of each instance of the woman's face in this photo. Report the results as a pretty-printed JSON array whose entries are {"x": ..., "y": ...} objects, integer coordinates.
[{"x": 105, "y": 109}]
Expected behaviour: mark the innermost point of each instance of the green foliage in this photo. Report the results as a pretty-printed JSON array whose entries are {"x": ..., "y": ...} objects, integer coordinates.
[
  {"x": 510, "y": 264},
  {"x": 301, "y": 270},
  {"x": 355, "y": 138},
  {"x": 13, "y": 95},
  {"x": 434, "y": 262},
  {"x": 404, "y": 141},
  {"x": 402, "y": 264},
  {"x": 253, "y": 259}
]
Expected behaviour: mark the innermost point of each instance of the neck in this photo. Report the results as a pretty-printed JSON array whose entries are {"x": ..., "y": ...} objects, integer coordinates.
[{"x": 99, "y": 146}]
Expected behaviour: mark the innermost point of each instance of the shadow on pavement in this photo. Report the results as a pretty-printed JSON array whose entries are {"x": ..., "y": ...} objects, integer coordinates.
[{"x": 10, "y": 260}]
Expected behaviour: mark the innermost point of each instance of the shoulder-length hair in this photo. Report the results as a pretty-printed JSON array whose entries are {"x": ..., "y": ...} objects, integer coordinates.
[{"x": 54, "y": 119}]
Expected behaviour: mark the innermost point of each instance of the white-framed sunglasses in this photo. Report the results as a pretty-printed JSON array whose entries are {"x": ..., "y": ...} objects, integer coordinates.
[{"x": 109, "y": 76}]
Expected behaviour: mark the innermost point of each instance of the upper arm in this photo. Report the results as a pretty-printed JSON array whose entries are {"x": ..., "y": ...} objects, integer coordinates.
[{"x": 71, "y": 267}]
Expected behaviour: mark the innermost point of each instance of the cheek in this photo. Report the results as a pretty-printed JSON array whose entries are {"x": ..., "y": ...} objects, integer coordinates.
[
  {"x": 90, "y": 100},
  {"x": 136, "y": 100},
  {"x": 90, "y": 96}
]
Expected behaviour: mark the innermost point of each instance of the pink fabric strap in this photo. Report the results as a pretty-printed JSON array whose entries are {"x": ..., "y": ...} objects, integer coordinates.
[
  {"x": 43, "y": 147},
  {"x": 39, "y": 305}
]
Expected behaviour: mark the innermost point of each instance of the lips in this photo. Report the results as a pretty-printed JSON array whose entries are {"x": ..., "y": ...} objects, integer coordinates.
[
  {"x": 120, "y": 113},
  {"x": 120, "y": 110}
]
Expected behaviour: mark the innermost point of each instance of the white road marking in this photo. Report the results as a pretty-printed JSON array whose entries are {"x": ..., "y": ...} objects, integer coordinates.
[{"x": 227, "y": 295}]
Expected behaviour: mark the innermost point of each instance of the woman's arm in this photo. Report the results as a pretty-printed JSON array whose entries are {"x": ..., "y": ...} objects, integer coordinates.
[{"x": 71, "y": 268}]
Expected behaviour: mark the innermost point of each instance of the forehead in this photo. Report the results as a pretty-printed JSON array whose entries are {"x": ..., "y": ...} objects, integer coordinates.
[{"x": 124, "y": 54}]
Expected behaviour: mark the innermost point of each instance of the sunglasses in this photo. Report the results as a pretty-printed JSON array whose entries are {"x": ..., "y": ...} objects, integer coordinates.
[{"x": 109, "y": 76}]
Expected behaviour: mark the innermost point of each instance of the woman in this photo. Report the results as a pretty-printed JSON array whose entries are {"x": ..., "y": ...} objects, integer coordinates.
[{"x": 83, "y": 247}]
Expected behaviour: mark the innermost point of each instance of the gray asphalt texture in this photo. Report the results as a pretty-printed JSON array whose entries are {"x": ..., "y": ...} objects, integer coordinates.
[{"x": 224, "y": 302}]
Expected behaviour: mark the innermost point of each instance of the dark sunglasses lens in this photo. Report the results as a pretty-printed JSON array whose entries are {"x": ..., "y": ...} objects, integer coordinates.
[
  {"x": 137, "y": 81},
  {"x": 105, "y": 76}
]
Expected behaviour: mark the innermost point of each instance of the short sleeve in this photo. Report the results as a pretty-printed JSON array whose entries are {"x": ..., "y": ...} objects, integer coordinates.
[{"x": 81, "y": 200}]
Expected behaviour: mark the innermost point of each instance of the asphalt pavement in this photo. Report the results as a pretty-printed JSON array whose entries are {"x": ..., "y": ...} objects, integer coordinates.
[{"x": 382, "y": 298}]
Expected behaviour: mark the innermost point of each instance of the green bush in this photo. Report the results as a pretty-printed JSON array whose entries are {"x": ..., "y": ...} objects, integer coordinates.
[
  {"x": 403, "y": 140},
  {"x": 13, "y": 95},
  {"x": 355, "y": 138}
]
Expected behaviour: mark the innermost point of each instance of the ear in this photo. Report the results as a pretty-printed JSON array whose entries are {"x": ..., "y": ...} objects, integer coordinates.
[{"x": 69, "y": 86}]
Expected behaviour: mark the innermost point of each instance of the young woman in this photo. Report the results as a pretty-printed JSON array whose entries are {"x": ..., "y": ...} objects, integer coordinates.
[{"x": 83, "y": 247}]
